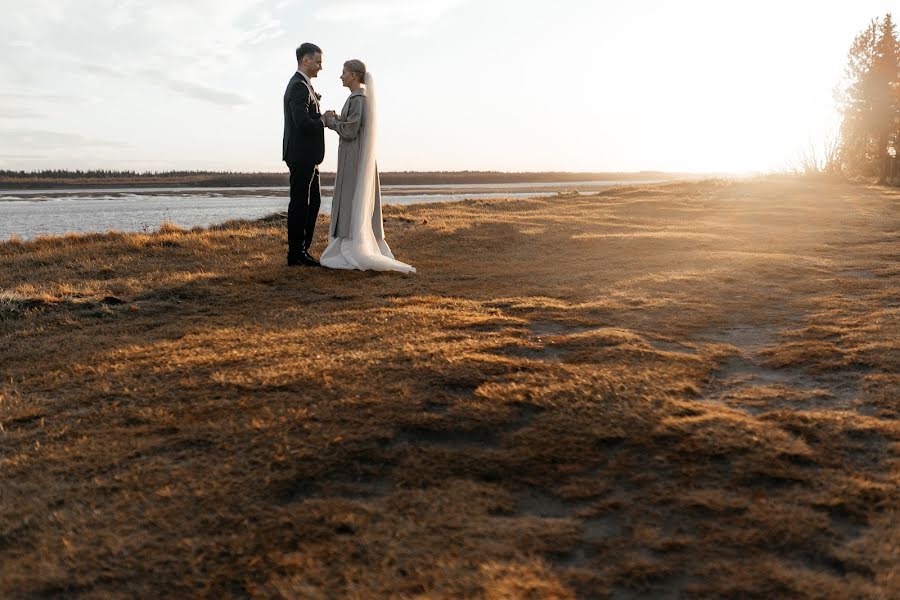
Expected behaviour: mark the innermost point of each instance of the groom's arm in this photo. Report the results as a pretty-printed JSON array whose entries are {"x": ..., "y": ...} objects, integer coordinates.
[{"x": 298, "y": 100}]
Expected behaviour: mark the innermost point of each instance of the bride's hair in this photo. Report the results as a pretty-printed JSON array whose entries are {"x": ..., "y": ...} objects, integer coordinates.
[{"x": 358, "y": 67}]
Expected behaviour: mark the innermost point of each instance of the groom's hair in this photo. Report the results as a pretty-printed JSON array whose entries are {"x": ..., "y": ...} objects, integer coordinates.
[{"x": 307, "y": 49}]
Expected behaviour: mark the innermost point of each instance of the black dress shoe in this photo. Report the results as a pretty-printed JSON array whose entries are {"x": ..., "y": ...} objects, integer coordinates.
[
  {"x": 307, "y": 259},
  {"x": 295, "y": 260}
]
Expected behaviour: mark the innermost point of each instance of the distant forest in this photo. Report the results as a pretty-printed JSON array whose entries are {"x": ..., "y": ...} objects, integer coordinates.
[
  {"x": 100, "y": 178},
  {"x": 868, "y": 144}
]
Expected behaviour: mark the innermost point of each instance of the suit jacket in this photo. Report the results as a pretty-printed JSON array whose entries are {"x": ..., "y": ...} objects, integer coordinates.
[{"x": 304, "y": 134}]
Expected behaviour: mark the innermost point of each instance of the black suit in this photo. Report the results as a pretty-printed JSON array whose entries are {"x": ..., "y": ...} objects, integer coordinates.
[{"x": 303, "y": 148}]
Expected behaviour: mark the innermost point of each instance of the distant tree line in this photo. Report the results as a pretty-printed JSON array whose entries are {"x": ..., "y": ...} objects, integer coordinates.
[
  {"x": 103, "y": 174},
  {"x": 101, "y": 177},
  {"x": 55, "y": 178},
  {"x": 99, "y": 174},
  {"x": 869, "y": 102}
]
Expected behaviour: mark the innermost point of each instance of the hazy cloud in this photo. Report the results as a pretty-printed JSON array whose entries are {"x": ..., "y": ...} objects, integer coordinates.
[
  {"x": 206, "y": 34},
  {"x": 192, "y": 89},
  {"x": 23, "y": 105},
  {"x": 174, "y": 35},
  {"x": 20, "y": 105},
  {"x": 388, "y": 12},
  {"x": 122, "y": 14},
  {"x": 201, "y": 92},
  {"x": 17, "y": 113},
  {"x": 105, "y": 70},
  {"x": 266, "y": 27},
  {"x": 40, "y": 139},
  {"x": 30, "y": 97}
]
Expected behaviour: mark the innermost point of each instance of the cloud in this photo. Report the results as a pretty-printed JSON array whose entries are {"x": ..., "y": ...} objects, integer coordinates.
[
  {"x": 104, "y": 70},
  {"x": 191, "y": 89},
  {"x": 17, "y": 113},
  {"x": 388, "y": 12},
  {"x": 19, "y": 105},
  {"x": 17, "y": 140},
  {"x": 121, "y": 15},
  {"x": 202, "y": 35},
  {"x": 72, "y": 69},
  {"x": 31, "y": 97},
  {"x": 199, "y": 91},
  {"x": 266, "y": 28}
]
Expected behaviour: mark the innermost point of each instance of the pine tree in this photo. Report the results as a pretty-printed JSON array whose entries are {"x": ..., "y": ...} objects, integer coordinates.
[
  {"x": 885, "y": 68},
  {"x": 870, "y": 100},
  {"x": 856, "y": 147}
]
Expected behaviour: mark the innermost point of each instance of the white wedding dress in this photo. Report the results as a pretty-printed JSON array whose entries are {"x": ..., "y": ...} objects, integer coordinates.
[{"x": 362, "y": 250}]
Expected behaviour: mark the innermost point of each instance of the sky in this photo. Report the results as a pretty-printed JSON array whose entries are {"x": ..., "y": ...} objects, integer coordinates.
[{"x": 508, "y": 85}]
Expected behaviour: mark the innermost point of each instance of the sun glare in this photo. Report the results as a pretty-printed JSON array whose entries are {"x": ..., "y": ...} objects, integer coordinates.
[{"x": 736, "y": 91}]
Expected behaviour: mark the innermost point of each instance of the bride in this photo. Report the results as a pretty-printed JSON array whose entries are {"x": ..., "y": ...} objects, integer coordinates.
[{"x": 356, "y": 237}]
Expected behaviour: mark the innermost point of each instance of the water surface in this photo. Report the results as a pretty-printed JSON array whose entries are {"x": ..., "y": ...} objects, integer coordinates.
[{"x": 29, "y": 213}]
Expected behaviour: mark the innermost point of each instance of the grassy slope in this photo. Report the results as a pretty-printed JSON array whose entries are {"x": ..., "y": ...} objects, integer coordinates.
[{"x": 689, "y": 387}]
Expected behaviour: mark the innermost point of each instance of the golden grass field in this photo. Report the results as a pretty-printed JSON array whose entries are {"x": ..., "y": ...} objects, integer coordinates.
[{"x": 684, "y": 390}]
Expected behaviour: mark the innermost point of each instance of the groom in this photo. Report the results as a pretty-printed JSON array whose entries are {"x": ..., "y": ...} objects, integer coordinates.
[{"x": 303, "y": 149}]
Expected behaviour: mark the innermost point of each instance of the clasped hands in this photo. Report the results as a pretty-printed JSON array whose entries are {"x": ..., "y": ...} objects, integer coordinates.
[{"x": 328, "y": 117}]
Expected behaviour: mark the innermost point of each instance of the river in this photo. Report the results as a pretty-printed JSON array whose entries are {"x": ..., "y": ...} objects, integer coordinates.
[{"x": 30, "y": 213}]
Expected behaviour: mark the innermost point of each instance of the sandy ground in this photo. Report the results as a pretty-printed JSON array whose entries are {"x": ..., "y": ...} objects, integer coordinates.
[{"x": 685, "y": 390}]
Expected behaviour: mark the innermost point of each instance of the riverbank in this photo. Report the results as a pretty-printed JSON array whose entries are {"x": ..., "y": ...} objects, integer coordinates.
[
  {"x": 11, "y": 180},
  {"x": 687, "y": 388},
  {"x": 28, "y": 214}
]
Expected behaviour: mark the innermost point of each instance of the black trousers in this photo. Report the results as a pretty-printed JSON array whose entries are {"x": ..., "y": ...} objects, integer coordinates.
[{"x": 303, "y": 209}]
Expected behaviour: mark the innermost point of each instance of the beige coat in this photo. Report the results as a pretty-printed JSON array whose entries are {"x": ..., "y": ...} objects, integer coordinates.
[{"x": 349, "y": 127}]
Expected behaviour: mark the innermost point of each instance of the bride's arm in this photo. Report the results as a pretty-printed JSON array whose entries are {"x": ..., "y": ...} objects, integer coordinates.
[{"x": 348, "y": 127}]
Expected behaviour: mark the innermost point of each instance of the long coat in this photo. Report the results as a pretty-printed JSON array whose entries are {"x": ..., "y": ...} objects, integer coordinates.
[
  {"x": 349, "y": 126},
  {"x": 304, "y": 137}
]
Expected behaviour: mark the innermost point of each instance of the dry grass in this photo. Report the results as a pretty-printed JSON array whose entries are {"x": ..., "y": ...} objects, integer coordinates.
[{"x": 682, "y": 390}]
